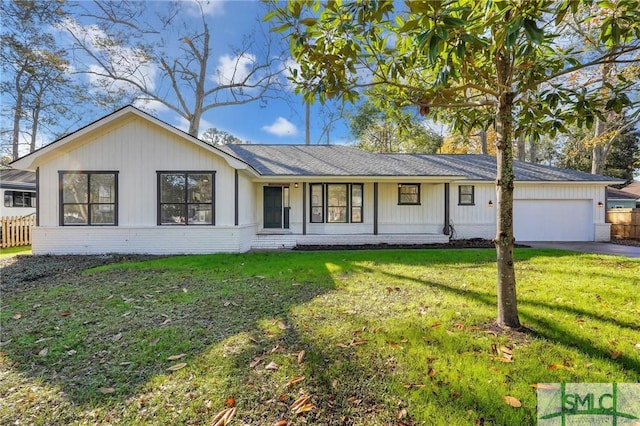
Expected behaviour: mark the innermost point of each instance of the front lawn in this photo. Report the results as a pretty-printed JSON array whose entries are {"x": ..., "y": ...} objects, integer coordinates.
[{"x": 323, "y": 338}]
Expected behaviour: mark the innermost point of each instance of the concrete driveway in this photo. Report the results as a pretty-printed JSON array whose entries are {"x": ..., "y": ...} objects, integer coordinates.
[{"x": 588, "y": 247}]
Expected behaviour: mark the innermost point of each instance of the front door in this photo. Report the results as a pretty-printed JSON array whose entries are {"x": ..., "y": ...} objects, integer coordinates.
[{"x": 272, "y": 206}]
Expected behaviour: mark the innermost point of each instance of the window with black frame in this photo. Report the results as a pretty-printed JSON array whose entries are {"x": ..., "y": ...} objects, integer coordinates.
[
  {"x": 466, "y": 195},
  {"x": 408, "y": 193},
  {"x": 19, "y": 199},
  {"x": 336, "y": 202},
  {"x": 88, "y": 198},
  {"x": 186, "y": 198}
]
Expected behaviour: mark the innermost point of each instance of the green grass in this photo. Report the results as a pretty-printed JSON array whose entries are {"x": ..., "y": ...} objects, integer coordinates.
[
  {"x": 387, "y": 336},
  {"x": 14, "y": 251}
]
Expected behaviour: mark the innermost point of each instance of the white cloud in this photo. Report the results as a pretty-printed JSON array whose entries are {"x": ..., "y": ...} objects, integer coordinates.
[
  {"x": 125, "y": 61},
  {"x": 281, "y": 127},
  {"x": 151, "y": 105},
  {"x": 234, "y": 69}
]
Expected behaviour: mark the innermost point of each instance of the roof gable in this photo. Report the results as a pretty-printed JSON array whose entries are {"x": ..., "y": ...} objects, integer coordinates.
[{"x": 31, "y": 161}]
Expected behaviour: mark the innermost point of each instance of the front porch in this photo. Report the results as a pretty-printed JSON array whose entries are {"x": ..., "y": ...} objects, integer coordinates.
[{"x": 273, "y": 241}]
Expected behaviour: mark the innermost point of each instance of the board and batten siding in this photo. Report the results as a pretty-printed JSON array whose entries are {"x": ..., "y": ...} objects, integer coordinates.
[
  {"x": 425, "y": 218},
  {"x": 137, "y": 149},
  {"x": 477, "y": 220}
]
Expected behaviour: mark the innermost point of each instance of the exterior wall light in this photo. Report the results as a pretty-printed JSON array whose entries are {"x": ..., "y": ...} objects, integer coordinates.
[
  {"x": 600, "y": 204},
  {"x": 490, "y": 204}
]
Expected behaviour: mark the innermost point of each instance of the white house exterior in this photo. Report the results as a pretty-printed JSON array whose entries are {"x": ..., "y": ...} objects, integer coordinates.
[
  {"x": 18, "y": 188},
  {"x": 130, "y": 183}
]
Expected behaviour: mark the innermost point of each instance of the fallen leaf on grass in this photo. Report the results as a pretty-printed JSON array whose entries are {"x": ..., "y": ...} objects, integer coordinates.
[
  {"x": 278, "y": 349},
  {"x": 301, "y": 357},
  {"x": 514, "y": 402},
  {"x": 546, "y": 386},
  {"x": 281, "y": 423},
  {"x": 43, "y": 352},
  {"x": 431, "y": 372},
  {"x": 65, "y": 313},
  {"x": 106, "y": 390},
  {"x": 294, "y": 381},
  {"x": 436, "y": 324},
  {"x": 154, "y": 341},
  {"x": 272, "y": 366},
  {"x": 616, "y": 355},
  {"x": 402, "y": 414},
  {"x": 255, "y": 362},
  {"x": 175, "y": 357},
  {"x": 224, "y": 417},
  {"x": 638, "y": 346},
  {"x": 230, "y": 402},
  {"x": 357, "y": 342},
  {"x": 117, "y": 337},
  {"x": 413, "y": 386},
  {"x": 17, "y": 315},
  {"x": 301, "y": 403},
  {"x": 177, "y": 366}
]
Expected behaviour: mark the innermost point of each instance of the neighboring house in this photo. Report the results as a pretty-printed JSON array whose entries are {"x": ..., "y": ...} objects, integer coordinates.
[
  {"x": 18, "y": 189},
  {"x": 634, "y": 189},
  {"x": 618, "y": 199},
  {"x": 131, "y": 183}
]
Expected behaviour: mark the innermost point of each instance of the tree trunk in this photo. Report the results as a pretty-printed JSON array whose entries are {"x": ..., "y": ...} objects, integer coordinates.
[
  {"x": 483, "y": 142},
  {"x": 533, "y": 149},
  {"x": 522, "y": 155},
  {"x": 34, "y": 127},
  {"x": 504, "y": 241},
  {"x": 598, "y": 150}
]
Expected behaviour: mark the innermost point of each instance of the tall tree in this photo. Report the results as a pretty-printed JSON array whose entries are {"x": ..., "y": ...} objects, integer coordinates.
[
  {"x": 37, "y": 88},
  {"x": 165, "y": 57},
  {"x": 584, "y": 30},
  {"x": 462, "y": 55},
  {"x": 377, "y": 132}
]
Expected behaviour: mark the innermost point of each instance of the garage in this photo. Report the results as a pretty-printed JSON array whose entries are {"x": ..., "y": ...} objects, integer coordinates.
[{"x": 553, "y": 220}]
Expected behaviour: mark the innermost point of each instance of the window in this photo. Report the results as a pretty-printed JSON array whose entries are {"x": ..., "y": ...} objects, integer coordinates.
[
  {"x": 343, "y": 202},
  {"x": 88, "y": 198},
  {"x": 317, "y": 203},
  {"x": 337, "y": 203},
  {"x": 408, "y": 193},
  {"x": 356, "y": 203},
  {"x": 465, "y": 195},
  {"x": 186, "y": 198},
  {"x": 19, "y": 199}
]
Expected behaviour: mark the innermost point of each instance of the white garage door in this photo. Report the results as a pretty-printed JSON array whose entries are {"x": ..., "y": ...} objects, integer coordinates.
[{"x": 553, "y": 220}]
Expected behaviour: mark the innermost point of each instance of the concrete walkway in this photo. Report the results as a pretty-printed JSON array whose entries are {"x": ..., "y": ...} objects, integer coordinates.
[{"x": 588, "y": 247}]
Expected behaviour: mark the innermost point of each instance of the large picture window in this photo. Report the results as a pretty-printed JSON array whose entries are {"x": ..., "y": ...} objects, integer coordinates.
[
  {"x": 466, "y": 195},
  {"x": 409, "y": 193},
  {"x": 336, "y": 202},
  {"x": 186, "y": 198},
  {"x": 88, "y": 198}
]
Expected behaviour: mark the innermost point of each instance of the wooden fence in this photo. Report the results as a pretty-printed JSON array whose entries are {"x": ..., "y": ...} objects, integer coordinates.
[
  {"x": 625, "y": 223},
  {"x": 16, "y": 231}
]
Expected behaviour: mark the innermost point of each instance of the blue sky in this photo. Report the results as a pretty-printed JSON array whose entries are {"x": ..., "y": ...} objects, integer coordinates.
[{"x": 276, "y": 121}]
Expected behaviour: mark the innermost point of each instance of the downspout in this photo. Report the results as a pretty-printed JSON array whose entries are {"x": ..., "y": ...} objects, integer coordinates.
[
  {"x": 375, "y": 208},
  {"x": 304, "y": 208},
  {"x": 447, "y": 211},
  {"x": 37, "y": 196},
  {"x": 236, "y": 183}
]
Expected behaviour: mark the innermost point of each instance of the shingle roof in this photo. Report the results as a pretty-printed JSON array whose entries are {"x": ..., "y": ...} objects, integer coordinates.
[
  {"x": 17, "y": 179},
  {"x": 340, "y": 160},
  {"x": 331, "y": 160},
  {"x": 633, "y": 188},
  {"x": 617, "y": 194}
]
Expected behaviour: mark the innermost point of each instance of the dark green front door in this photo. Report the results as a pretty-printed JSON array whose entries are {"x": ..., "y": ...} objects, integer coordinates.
[{"x": 272, "y": 207}]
